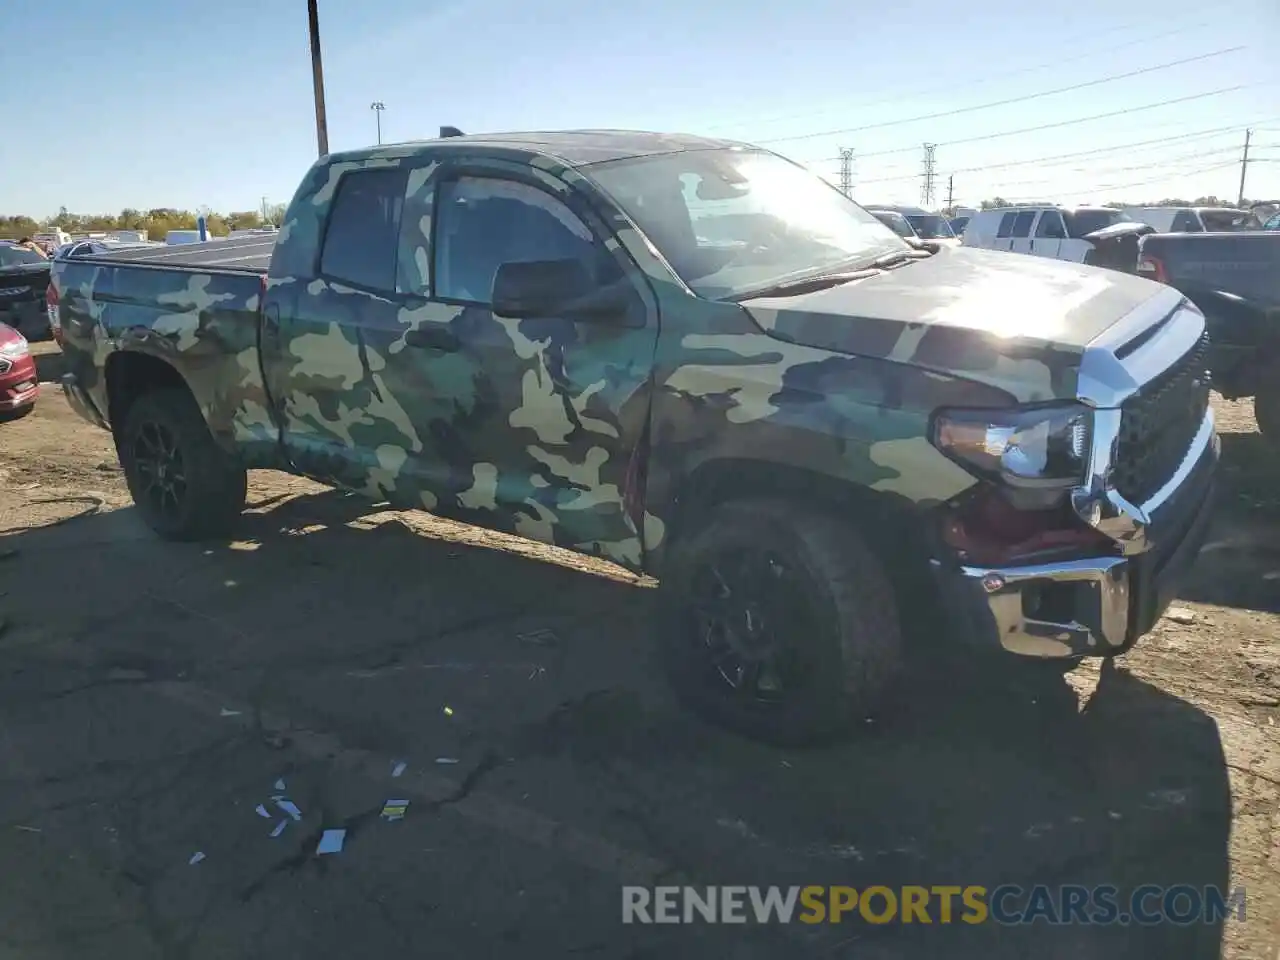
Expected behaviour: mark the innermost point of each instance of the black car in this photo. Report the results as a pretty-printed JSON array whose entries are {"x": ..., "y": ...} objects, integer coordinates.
[{"x": 24, "y": 278}]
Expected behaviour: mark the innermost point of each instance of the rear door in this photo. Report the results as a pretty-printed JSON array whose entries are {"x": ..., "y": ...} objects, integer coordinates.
[
  {"x": 1049, "y": 232},
  {"x": 326, "y": 339},
  {"x": 548, "y": 440},
  {"x": 1020, "y": 232},
  {"x": 1004, "y": 232}
]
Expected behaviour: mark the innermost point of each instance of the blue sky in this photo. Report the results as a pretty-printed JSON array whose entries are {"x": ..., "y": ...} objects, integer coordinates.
[{"x": 149, "y": 103}]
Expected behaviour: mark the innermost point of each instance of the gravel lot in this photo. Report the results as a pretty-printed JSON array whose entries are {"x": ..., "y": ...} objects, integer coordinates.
[{"x": 152, "y": 694}]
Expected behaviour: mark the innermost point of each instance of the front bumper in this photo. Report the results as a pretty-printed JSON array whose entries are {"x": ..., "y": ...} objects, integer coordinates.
[{"x": 1096, "y": 606}]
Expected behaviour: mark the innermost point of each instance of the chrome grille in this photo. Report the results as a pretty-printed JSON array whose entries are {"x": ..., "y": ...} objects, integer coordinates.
[{"x": 1158, "y": 423}]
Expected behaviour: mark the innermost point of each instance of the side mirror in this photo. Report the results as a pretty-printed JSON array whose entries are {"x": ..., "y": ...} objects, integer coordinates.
[{"x": 554, "y": 288}]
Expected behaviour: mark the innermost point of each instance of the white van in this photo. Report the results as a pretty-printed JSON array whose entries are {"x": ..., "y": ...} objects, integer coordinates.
[
  {"x": 1195, "y": 219},
  {"x": 1102, "y": 236},
  {"x": 923, "y": 224}
]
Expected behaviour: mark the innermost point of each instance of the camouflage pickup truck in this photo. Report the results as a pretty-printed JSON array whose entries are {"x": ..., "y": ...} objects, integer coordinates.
[{"x": 694, "y": 358}]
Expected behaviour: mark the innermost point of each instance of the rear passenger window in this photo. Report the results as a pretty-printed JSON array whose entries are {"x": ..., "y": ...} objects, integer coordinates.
[
  {"x": 364, "y": 228},
  {"x": 1006, "y": 226},
  {"x": 1022, "y": 223},
  {"x": 1186, "y": 222}
]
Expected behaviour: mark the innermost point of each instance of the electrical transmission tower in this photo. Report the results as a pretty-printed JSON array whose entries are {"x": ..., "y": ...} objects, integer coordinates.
[
  {"x": 926, "y": 189},
  {"x": 846, "y": 171}
]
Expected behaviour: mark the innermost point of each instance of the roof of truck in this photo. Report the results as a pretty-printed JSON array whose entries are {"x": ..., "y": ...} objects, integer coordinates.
[{"x": 577, "y": 147}]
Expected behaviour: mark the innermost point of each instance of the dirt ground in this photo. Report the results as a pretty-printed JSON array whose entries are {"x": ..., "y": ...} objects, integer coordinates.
[{"x": 151, "y": 695}]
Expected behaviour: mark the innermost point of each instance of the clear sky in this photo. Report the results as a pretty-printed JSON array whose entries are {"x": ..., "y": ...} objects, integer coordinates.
[{"x": 147, "y": 103}]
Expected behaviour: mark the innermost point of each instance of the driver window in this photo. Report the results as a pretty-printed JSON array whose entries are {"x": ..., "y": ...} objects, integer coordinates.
[{"x": 484, "y": 222}]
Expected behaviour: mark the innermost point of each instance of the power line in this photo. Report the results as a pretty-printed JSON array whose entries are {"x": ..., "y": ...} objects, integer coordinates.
[
  {"x": 1068, "y": 123},
  {"x": 928, "y": 91},
  {"x": 1200, "y": 154},
  {"x": 1002, "y": 103},
  {"x": 1163, "y": 179},
  {"x": 1193, "y": 135}
]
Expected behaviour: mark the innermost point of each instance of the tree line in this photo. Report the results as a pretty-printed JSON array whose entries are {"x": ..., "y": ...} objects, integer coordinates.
[
  {"x": 1209, "y": 201},
  {"x": 157, "y": 221}
]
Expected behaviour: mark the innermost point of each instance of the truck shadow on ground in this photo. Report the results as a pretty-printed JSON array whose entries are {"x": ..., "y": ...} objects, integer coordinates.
[
  {"x": 973, "y": 775},
  {"x": 1240, "y": 563}
]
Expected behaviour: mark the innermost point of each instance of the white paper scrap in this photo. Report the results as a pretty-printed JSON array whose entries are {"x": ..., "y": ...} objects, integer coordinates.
[
  {"x": 263, "y": 812},
  {"x": 289, "y": 807},
  {"x": 398, "y": 768},
  {"x": 331, "y": 842},
  {"x": 279, "y": 828},
  {"x": 196, "y": 857}
]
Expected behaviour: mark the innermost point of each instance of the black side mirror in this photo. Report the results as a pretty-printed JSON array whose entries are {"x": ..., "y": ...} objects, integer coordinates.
[{"x": 554, "y": 288}]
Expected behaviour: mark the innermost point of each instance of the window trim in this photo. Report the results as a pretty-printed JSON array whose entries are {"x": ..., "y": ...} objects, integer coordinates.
[
  {"x": 478, "y": 169},
  {"x": 318, "y": 271}
]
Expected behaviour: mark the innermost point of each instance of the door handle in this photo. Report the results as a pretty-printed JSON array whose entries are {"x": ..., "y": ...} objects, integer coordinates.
[{"x": 433, "y": 338}]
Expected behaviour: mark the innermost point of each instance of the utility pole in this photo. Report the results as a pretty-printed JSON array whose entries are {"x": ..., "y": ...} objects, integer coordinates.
[
  {"x": 846, "y": 171},
  {"x": 317, "y": 77},
  {"x": 951, "y": 192},
  {"x": 926, "y": 189},
  {"x": 377, "y": 107},
  {"x": 1244, "y": 167}
]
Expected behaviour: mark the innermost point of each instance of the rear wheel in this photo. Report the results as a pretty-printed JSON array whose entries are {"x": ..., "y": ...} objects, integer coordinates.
[
  {"x": 779, "y": 623},
  {"x": 185, "y": 486}
]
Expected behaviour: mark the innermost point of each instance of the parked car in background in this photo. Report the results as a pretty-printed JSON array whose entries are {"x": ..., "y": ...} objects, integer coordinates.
[
  {"x": 1194, "y": 219},
  {"x": 1273, "y": 223},
  {"x": 19, "y": 383},
  {"x": 82, "y": 248},
  {"x": 958, "y": 224},
  {"x": 24, "y": 277},
  {"x": 1099, "y": 236},
  {"x": 1234, "y": 278},
  {"x": 894, "y": 221},
  {"x": 925, "y": 225}
]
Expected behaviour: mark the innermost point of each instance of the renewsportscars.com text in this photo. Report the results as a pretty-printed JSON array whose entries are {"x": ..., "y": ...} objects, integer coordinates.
[{"x": 1008, "y": 904}]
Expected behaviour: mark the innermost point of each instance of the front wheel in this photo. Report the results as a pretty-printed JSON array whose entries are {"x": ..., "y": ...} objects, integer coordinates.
[
  {"x": 778, "y": 623},
  {"x": 185, "y": 486}
]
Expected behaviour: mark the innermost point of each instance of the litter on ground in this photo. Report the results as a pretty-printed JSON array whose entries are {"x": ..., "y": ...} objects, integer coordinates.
[
  {"x": 398, "y": 769},
  {"x": 263, "y": 812},
  {"x": 196, "y": 858},
  {"x": 394, "y": 809},
  {"x": 280, "y": 784},
  {"x": 446, "y": 759},
  {"x": 289, "y": 807},
  {"x": 331, "y": 842},
  {"x": 279, "y": 828}
]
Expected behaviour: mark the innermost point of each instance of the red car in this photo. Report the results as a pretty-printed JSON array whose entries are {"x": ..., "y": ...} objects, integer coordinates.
[{"x": 19, "y": 384}]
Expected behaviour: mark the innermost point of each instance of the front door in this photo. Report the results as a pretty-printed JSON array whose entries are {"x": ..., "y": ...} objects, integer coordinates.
[{"x": 552, "y": 450}]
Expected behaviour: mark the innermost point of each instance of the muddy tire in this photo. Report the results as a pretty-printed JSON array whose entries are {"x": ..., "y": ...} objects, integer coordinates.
[
  {"x": 1266, "y": 410},
  {"x": 185, "y": 486},
  {"x": 778, "y": 623}
]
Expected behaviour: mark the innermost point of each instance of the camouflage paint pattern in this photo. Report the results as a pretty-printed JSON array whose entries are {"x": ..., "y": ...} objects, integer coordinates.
[{"x": 580, "y": 434}]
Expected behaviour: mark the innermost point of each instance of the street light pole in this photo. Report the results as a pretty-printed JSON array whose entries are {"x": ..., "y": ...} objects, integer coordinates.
[
  {"x": 317, "y": 77},
  {"x": 377, "y": 107}
]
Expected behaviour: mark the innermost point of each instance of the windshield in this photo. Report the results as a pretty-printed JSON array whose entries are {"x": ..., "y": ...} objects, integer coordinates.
[
  {"x": 1226, "y": 221},
  {"x": 895, "y": 222},
  {"x": 15, "y": 256},
  {"x": 732, "y": 221},
  {"x": 1083, "y": 222},
  {"x": 930, "y": 227}
]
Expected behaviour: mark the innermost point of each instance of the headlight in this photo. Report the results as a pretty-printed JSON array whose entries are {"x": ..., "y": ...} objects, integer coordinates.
[
  {"x": 13, "y": 349},
  {"x": 1039, "y": 447}
]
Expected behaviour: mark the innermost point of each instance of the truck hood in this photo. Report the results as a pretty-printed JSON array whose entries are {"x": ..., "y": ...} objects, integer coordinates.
[{"x": 1016, "y": 323}]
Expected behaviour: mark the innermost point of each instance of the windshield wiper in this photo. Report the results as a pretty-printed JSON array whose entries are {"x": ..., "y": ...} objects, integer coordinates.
[
  {"x": 793, "y": 288},
  {"x": 899, "y": 256}
]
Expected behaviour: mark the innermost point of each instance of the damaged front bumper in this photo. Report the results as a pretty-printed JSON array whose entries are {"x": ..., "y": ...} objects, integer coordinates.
[{"x": 1099, "y": 606}]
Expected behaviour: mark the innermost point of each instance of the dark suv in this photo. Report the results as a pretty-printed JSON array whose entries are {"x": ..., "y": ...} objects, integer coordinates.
[{"x": 24, "y": 278}]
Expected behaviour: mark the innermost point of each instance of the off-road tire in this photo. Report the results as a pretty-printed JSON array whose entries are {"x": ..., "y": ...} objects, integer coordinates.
[
  {"x": 216, "y": 483},
  {"x": 1266, "y": 408},
  {"x": 858, "y": 646}
]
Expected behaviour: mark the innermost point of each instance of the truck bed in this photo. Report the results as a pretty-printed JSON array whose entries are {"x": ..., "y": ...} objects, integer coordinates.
[{"x": 244, "y": 254}]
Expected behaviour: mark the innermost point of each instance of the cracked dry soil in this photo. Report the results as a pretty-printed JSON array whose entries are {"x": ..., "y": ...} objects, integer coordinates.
[{"x": 151, "y": 695}]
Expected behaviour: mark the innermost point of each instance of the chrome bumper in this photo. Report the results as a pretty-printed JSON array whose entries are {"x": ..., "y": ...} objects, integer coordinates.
[{"x": 1101, "y": 606}]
